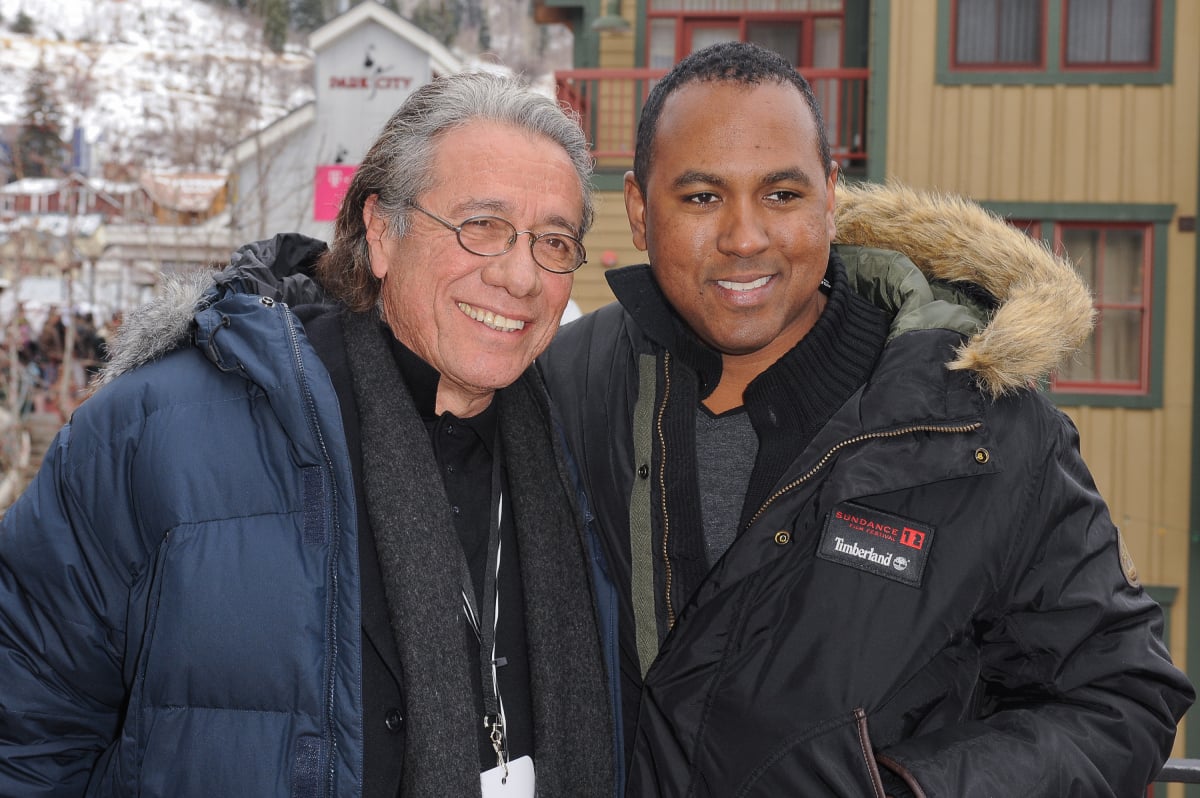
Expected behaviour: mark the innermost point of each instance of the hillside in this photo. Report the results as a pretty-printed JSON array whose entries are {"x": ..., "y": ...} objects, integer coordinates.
[{"x": 176, "y": 82}]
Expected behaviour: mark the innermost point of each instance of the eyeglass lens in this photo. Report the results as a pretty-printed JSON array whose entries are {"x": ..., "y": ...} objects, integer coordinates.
[{"x": 491, "y": 235}]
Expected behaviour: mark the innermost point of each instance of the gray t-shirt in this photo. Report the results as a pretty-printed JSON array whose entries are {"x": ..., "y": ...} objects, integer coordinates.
[{"x": 726, "y": 447}]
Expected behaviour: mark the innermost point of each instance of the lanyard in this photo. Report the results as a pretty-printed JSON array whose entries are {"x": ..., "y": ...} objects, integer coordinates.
[{"x": 493, "y": 706}]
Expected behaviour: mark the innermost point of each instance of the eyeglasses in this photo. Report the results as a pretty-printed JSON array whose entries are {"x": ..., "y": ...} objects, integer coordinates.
[{"x": 490, "y": 236}]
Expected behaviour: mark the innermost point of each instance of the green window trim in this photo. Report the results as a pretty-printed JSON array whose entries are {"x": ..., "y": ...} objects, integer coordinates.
[
  {"x": 1159, "y": 217},
  {"x": 1052, "y": 73}
]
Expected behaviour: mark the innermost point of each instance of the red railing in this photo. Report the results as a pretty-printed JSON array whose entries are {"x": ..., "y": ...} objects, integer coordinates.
[{"x": 609, "y": 102}]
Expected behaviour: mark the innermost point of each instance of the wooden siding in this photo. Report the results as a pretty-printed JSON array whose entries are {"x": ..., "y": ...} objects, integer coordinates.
[
  {"x": 617, "y": 47},
  {"x": 1033, "y": 143},
  {"x": 610, "y": 234},
  {"x": 1053, "y": 144}
]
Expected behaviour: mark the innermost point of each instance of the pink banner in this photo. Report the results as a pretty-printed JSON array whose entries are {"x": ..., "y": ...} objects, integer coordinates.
[{"x": 329, "y": 188}]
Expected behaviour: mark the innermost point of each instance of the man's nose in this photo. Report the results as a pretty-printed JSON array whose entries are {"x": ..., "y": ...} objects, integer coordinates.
[
  {"x": 743, "y": 231},
  {"x": 515, "y": 271}
]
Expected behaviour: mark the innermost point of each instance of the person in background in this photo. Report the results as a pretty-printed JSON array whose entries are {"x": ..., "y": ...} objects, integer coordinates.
[
  {"x": 857, "y": 553},
  {"x": 51, "y": 347},
  {"x": 315, "y": 535}
]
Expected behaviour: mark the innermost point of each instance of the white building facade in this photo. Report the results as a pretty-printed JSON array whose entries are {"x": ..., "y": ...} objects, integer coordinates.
[{"x": 291, "y": 175}]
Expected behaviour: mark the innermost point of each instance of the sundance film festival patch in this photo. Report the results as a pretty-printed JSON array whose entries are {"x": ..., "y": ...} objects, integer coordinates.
[{"x": 874, "y": 541}]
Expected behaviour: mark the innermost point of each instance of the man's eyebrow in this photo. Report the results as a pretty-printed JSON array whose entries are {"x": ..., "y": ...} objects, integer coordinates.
[
  {"x": 694, "y": 176},
  {"x": 504, "y": 209},
  {"x": 789, "y": 176},
  {"x": 477, "y": 207},
  {"x": 555, "y": 220}
]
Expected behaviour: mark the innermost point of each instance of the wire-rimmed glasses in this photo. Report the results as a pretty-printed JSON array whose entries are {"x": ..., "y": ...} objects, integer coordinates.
[{"x": 489, "y": 236}]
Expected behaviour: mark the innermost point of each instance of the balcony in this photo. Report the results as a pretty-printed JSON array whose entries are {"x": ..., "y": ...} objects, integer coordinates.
[{"x": 609, "y": 102}]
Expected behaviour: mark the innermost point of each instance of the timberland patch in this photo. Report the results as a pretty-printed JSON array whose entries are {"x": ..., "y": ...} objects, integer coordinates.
[{"x": 874, "y": 541}]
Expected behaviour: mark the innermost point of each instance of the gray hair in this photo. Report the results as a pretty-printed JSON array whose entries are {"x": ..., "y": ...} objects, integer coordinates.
[{"x": 398, "y": 167}]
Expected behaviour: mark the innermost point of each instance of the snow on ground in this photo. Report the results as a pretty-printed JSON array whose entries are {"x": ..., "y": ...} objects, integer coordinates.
[
  {"x": 145, "y": 78},
  {"x": 150, "y": 24},
  {"x": 176, "y": 82}
]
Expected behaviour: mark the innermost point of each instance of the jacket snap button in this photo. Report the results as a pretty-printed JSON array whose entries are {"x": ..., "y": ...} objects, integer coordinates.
[
  {"x": 393, "y": 720},
  {"x": 266, "y": 300},
  {"x": 782, "y": 537},
  {"x": 982, "y": 456},
  {"x": 643, "y": 471}
]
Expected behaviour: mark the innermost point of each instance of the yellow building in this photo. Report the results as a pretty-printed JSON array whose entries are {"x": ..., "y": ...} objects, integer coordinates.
[{"x": 1076, "y": 120}]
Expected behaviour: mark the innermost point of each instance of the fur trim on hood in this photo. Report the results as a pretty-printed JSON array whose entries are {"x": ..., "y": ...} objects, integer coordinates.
[
  {"x": 156, "y": 328},
  {"x": 1045, "y": 308},
  {"x": 278, "y": 267}
]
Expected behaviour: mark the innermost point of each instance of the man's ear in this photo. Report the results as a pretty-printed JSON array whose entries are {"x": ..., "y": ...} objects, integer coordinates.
[
  {"x": 635, "y": 209},
  {"x": 376, "y": 226},
  {"x": 831, "y": 202}
]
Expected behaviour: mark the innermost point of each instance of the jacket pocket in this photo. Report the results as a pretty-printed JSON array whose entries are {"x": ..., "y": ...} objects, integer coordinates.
[
  {"x": 831, "y": 758},
  {"x": 118, "y": 770}
]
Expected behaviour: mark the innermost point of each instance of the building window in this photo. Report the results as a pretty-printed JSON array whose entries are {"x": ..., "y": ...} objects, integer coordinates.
[
  {"x": 1055, "y": 37},
  {"x": 808, "y": 33},
  {"x": 1116, "y": 260},
  {"x": 1109, "y": 33},
  {"x": 998, "y": 33}
]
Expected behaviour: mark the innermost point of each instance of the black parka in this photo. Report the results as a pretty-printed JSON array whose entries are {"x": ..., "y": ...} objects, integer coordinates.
[{"x": 935, "y": 587}]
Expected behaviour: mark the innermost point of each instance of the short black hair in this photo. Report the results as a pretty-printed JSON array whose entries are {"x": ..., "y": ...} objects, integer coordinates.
[{"x": 735, "y": 62}]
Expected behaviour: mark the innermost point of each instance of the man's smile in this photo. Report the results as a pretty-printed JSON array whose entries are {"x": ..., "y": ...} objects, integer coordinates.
[
  {"x": 750, "y": 286},
  {"x": 493, "y": 320}
]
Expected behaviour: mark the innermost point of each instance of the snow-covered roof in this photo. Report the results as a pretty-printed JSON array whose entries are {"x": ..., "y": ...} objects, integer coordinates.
[
  {"x": 52, "y": 237},
  {"x": 54, "y": 224},
  {"x": 40, "y": 186},
  {"x": 184, "y": 191},
  {"x": 442, "y": 60},
  {"x": 33, "y": 186},
  {"x": 112, "y": 186}
]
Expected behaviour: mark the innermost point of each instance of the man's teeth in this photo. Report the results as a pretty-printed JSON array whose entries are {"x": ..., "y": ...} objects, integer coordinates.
[
  {"x": 493, "y": 320},
  {"x": 732, "y": 286}
]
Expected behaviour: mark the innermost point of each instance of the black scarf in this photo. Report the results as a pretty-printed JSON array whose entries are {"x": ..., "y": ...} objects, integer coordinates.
[{"x": 421, "y": 560}]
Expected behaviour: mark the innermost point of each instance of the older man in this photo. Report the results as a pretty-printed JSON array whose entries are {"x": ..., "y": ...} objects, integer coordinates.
[
  {"x": 315, "y": 538},
  {"x": 857, "y": 554}
]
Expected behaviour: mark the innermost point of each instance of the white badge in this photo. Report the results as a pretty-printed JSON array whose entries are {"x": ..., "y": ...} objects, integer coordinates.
[{"x": 518, "y": 784}]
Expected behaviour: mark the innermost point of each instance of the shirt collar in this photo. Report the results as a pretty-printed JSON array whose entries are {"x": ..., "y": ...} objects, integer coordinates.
[{"x": 422, "y": 379}]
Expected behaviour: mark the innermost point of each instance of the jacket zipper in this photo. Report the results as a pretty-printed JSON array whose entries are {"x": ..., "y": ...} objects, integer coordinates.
[
  {"x": 662, "y": 487},
  {"x": 334, "y": 546},
  {"x": 896, "y": 433}
]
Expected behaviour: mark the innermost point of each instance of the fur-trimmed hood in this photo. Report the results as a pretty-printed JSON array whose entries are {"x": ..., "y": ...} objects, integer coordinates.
[
  {"x": 279, "y": 268},
  {"x": 1044, "y": 310}
]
